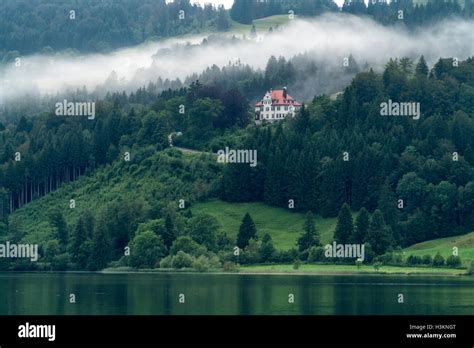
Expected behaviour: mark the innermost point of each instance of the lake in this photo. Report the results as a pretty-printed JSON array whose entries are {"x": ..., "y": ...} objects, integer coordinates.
[{"x": 212, "y": 294}]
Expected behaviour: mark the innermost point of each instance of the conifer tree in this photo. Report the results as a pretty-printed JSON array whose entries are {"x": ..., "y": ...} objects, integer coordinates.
[
  {"x": 267, "y": 249},
  {"x": 379, "y": 236},
  {"x": 387, "y": 204},
  {"x": 247, "y": 231},
  {"x": 361, "y": 227},
  {"x": 79, "y": 245},
  {"x": 56, "y": 219},
  {"x": 100, "y": 246},
  {"x": 422, "y": 68},
  {"x": 310, "y": 236},
  {"x": 344, "y": 227}
]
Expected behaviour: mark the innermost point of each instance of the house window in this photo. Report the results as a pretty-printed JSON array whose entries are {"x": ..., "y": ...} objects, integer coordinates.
[{"x": 286, "y": 108}]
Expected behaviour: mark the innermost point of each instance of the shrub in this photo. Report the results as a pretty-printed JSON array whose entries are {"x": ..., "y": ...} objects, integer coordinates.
[
  {"x": 471, "y": 268},
  {"x": 369, "y": 253},
  {"x": 286, "y": 256},
  {"x": 182, "y": 260},
  {"x": 267, "y": 249},
  {"x": 303, "y": 256},
  {"x": 167, "y": 262},
  {"x": 60, "y": 262},
  {"x": 414, "y": 260},
  {"x": 185, "y": 244},
  {"x": 377, "y": 265},
  {"x": 296, "y": 264},
  {"x": 230, "y": 266},
  {"x": 316, "y": 254},
  {"x": 146, "y": 249},
  {"x": 391, "y": 258},
  {"x": 201, "y": 264},
  {"x": 453, "y": 261},
  {"x": 438, "y": 260},
  {"x": 427, "y": 260},
  {"x": 251, "y": 253}
]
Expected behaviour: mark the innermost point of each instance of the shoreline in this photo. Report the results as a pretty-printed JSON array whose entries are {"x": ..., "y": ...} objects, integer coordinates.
[{"x": 287, "y": 270}]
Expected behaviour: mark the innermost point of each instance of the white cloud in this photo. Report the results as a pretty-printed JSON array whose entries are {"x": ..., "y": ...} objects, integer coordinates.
[{"x": 328, "y": 37}]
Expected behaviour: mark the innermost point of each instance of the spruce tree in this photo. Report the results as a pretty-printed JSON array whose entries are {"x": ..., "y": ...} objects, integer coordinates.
[
  {"x": 310, "y": 236},
  {"x": 56, "y": 219},
  {"x": 247, "y": 231},
  {"x": 387, "y": 204},
  {"x": 361, "y": 229},
  {"x": 168, "y": 235},
  {"x": 379, "y": 236},
  {"x": 79, "y": 245},
  {"x": 422, "y": 68},
  {"x": 267, "y": 249},
  {"x": 100, "y": 247},
  {"x": 344, "y": 227},
  {"x": 253, "y": 31}
]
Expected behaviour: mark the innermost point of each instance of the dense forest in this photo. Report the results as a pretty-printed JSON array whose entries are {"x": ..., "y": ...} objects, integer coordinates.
[
  {"x": 118, "y": 189},
  {"x": 97, "y": 26},
  {"x": 336, "y": 156},
  {"x": 100, "y": 26},
  {"x": 245, "y": 11},
  {"x": 345, "y": 152}
]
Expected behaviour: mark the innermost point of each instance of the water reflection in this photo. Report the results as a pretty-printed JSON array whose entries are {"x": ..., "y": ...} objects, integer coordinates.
[{"x": 214, "y": 294}]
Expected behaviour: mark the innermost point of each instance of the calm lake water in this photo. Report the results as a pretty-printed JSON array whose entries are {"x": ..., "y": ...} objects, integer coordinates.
[{"x": 158, "y": 294}]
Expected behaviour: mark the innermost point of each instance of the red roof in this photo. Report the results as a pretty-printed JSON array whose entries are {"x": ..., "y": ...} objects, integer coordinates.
[{"x": 279, "y": 100}]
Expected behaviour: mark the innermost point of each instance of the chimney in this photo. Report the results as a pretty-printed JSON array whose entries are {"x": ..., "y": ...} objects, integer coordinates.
[{"x": 284, "y": 93}]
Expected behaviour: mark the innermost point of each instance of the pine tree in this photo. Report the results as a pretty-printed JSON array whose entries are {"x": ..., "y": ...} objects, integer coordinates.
[
  {"x": 310, "y": 236},
  {"x": 361, "y": 227},
  {"x": 379, "y": 236},
  {"x": 242, "y": 11},
  {"x": 422, "y": 68},
  {"x": 222, "y": 22},
  {"x": 79, "y": 245},
  {"x": 253, "y": 31},
  {"x": 169, "y": 236},
  {"x": 344, "y": 227},
  {"x": 267, "y": 249},
  {"x": 56, "y": 219},
  {"x": 387, "y": 204},
  {"x": 247, "y": 231},
  {"x": 100, "y": 247}
]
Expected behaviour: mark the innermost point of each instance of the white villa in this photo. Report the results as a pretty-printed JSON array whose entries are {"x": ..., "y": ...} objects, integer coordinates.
[{"x": 276, "y": 106}]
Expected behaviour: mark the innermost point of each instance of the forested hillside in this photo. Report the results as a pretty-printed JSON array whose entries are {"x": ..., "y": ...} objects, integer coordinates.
[
  {"x": 346, "y": 152},
  {"x": 97, "y": 26},
  {"x": 414, "y": 13},
  {"x": 335, "y": 156}
]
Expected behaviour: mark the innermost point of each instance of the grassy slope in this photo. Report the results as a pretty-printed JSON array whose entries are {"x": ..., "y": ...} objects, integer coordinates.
[
  {"x": 93, "y": 192},
  {"x": 283, "y": 225},
  {"x": 423, "y": 2},
  {"x": 444, "y": 246},
  {"x": 262, "y": 25}
]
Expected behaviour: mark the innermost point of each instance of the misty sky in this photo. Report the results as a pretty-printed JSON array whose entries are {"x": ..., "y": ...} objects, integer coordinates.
[{"x": 328, "y": 38}]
